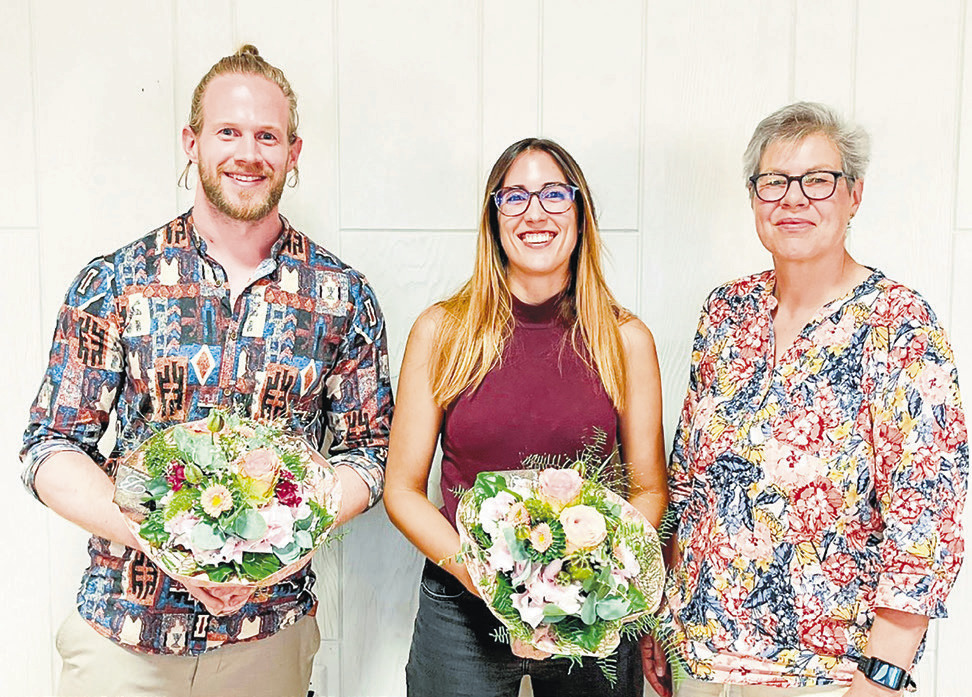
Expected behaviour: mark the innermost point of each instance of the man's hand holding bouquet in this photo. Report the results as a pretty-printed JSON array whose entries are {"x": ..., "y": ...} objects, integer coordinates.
[{"x": 227, "y": 504}]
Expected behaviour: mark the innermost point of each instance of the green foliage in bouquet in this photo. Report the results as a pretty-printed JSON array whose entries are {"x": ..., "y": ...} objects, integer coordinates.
[
  {"x": 560, "y": 558},
  {"x": 224, "y": 479}
]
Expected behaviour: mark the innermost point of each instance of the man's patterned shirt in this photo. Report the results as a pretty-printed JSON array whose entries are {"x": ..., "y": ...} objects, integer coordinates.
[{"x": 149, "y": 332}]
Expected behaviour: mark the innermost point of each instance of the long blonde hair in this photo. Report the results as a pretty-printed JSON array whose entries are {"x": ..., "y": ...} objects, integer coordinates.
[{"x": 478, "y": 319}]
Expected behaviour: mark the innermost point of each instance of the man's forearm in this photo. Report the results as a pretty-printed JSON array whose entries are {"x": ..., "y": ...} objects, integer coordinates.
[
  {"x": 355, "y": 494},
  {"x": 74, "y": 487}
]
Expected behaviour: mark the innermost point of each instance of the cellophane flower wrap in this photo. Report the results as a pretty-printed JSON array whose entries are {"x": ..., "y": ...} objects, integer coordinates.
[
  {"x": 227, "y": 500},
  {"x": 562, "y": 561}
]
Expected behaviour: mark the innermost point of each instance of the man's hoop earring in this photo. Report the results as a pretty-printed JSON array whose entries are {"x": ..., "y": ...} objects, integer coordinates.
[
  {"x": 293, "y": 178},
  {"x": 184, "y": 177}
]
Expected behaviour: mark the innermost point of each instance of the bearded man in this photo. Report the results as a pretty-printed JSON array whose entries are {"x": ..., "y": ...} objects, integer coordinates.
[{"x": 226, "y": 306}]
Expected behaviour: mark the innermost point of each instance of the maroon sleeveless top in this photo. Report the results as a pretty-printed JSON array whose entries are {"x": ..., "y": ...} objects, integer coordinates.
[{"x": 541, "y": 399}]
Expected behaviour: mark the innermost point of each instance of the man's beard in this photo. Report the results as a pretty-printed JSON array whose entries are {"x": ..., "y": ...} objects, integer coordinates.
[{"x": 252, "y": 207}]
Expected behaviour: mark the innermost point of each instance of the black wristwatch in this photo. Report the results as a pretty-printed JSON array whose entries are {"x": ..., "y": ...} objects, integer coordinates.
[{"x": 883, "y": 673}]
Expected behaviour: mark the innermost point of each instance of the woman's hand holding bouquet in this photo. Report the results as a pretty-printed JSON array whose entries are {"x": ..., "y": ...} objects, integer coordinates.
[{"x": 562, "y": 561}]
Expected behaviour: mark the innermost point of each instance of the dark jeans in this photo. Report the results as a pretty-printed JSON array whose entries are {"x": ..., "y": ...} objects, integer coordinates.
[{"x": 454, "y": 655}]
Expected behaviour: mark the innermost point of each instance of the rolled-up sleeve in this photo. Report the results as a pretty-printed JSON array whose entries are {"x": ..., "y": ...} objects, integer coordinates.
[
  {"x": 921, "y": 468},
  {"x": 84, "y": 371},
  {"x": 360, "y": 394}
]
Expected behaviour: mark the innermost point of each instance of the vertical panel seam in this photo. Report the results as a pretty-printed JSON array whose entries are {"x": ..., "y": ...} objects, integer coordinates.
[
  {"x": 856, "y": 33},
  {"x": 642, "y": 163},
  {"x": 339, "y": 236},
  {"x": 540, "y": 12},
  {"x": 336, "y": 70},
  {"x": 953, "y": 240},
  {"x": 175, "y": 114},
  {"x": 794, "y": 21},
  {"x": 480, "y": 96},
  {"x": 34, "y": 91}
]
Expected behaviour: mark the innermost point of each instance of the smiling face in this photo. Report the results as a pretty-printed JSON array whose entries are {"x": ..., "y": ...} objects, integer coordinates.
[
  {"x": 538, "y": 245},
  {"x": 242, "y": 149},
  {"x": 795, "y": 228}
]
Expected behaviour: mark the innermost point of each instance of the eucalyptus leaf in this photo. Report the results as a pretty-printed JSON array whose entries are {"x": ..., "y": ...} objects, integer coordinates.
[
  {"x": 288, "y": 554},
  {"x": 157, "y": 487},
  {"x": 553, "y": 614},
  {"x": 613, "y": 608},
  {"x": 304, "y": 523},
  {"x": 204, "y": 537},
  {"x": 250, "y": 525},
  {"x": 303, "y": 539},
  {"x": 517, "y": 548},
  {"x": 588, "y": 612}
]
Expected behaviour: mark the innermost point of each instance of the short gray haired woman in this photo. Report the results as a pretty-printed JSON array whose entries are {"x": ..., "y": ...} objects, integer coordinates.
[{"x": 820, "y": 461}]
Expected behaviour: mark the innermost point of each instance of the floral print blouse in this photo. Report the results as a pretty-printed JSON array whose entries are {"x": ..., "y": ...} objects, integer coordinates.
[{"x": 810, "y": 492}]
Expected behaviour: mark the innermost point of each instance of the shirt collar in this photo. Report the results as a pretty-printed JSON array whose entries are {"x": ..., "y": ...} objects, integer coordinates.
[{"x": 267, "y": 265}]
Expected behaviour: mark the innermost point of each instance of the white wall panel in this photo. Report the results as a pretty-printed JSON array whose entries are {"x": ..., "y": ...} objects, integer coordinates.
[
  {"x": 622, "y": 266},
  {"x": 306, "y": 51},
  {"x": 29, "y": 651},
  {"x": 824, "y": 51},
  {"x": 963, "y": 202},
  {"x": 18, "y": 204},
  {"x": 907, "y": 77},
  {"x": 104, "y": 131},
  {"x": 203, "y": 33},
  {"x": 952, "y": 634},
  {"x": 409, "y": 114},
  {"x": 381, "y": 597},
  {"x": 708, "y": 83},
  {"x": 409, "y": 272},
  {"x": 510, "y": 76},
  {"x": 591, "y": 94}
]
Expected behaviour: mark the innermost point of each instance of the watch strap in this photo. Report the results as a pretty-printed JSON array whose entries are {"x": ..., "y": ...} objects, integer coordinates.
[{"x": 885, "y": 674}]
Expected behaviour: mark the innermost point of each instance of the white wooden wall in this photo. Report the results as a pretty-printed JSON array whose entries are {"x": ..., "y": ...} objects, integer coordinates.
[{"x": 404, "y": 105}]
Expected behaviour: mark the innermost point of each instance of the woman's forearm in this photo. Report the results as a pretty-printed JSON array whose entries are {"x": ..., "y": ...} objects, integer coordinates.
[{"x": 426, "y": 528}]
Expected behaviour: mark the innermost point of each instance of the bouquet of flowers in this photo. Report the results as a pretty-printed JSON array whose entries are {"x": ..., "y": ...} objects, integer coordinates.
[
  {"x": 562, "y": 561},
  {"x": 227, "y": 500}
]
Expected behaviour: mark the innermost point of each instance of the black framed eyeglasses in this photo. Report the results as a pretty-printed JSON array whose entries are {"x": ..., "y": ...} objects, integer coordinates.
[
  {"x": 512, "y": 201},
  {"x": 816, "y": 185}
]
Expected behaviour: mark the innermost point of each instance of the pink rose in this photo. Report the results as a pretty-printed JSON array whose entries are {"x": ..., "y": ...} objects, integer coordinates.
[
  {"x": 560, "y": 486},
  {"x": 583, "y": 526},
  {"x": 259, "y": 469}
]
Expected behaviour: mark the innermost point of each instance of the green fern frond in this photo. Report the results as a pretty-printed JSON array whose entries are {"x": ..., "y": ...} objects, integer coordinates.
[
  {"x": 501, "y": 635},
  {"x": 609, "y": 668},
  {"x": 669, "y": 644},
  {"x": 639, "y": 627},
  {"x": 667, "y": 526}
]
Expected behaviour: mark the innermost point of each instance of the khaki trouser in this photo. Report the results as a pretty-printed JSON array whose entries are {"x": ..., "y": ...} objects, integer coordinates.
[
  {"x": 276, "y": 666},
  {"x": 697, "y": 688}
]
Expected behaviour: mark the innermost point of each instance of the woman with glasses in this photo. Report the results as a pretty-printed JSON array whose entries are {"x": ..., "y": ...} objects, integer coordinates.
[
  {"x": 531, "y": 356},
  {"x": 819, "y": 466}
]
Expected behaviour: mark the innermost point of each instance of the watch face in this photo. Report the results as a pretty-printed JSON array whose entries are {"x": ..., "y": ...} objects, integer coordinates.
[{"x": 885, "y": 674}]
